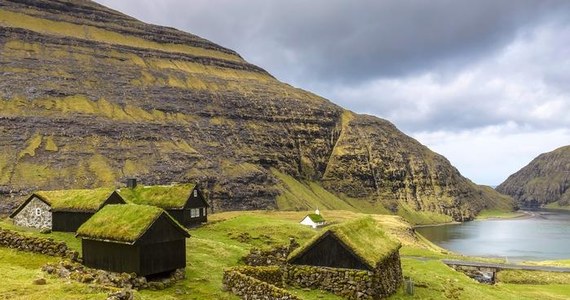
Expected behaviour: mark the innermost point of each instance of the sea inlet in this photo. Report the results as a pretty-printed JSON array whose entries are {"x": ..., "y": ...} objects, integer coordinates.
[{"x": 541, "y": 235}]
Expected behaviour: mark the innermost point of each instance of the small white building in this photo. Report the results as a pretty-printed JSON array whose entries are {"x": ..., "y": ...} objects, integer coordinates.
[{"x": 314, "y": 220}]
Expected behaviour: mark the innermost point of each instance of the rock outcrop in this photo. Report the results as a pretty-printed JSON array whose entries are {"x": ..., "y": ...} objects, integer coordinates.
[
  {"x": 545, "y": 180},
  {"x": 90, "y": 97}
]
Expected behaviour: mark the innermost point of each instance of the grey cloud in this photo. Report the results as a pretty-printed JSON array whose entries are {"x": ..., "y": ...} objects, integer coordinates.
[{"x": 351, "y": 41}]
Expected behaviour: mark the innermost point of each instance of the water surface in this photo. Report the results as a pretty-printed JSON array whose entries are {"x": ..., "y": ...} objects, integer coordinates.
[{"x": 545, "y": 235}]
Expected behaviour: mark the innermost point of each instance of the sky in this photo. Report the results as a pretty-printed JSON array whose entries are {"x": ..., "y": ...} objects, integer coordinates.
[{"x": 485, "y": 83}]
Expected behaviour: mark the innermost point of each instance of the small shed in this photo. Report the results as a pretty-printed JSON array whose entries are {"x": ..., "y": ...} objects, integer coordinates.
[
  {"x": 63, "y": 210},
  {"x": 360, "y": 245},
  {"x": 184, "y": 202},
  {"x": 314, "y": 220},
  {"x": 132, "y": 238}
]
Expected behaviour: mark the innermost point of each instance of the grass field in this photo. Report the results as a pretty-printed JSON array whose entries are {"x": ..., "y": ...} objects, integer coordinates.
[{"x": 229, "y": 236}]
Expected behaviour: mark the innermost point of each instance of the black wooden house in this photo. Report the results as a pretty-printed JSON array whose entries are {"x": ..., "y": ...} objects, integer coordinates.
[
  {"x": 184, "y": 202},
  {"x": 358, "y": 244},
  {"x": 133, "y": 238}
]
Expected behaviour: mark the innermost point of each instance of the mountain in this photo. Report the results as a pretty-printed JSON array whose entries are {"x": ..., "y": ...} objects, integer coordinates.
[
  {"x": 545, "y": 180},
  {"x": 90, "y": 97}
]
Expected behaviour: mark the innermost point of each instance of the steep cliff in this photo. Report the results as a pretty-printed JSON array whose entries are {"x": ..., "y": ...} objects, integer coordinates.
[
  {"x": 545, "y": 180},
  {"x": 90, "y": 97}
]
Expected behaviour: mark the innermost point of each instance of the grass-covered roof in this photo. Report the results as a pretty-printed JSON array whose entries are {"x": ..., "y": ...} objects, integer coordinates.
[
  {"x": 124, "y": 223},
  {"x": 365, "y": 238},
  {"x": 316, "y": 218},
  {"x": 163, "y": 196},
  {"x": 76, "y": 200}
]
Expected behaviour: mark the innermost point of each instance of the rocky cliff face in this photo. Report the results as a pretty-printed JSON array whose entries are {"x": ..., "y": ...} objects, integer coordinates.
[
  {"x": 90, "y": 97},
  {"x": 545, "y": 180}
]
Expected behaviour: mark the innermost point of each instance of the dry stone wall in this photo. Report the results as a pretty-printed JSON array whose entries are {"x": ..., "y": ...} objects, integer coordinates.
[
  {"x": 15, "y": 240},
  {"x": 36, "y": 214},
  {"x": 254, "y": 283},
  {"x": 347, "y": 283},
  {"x": 388, "y": 276},
  {"x": 80, "y": 273}
]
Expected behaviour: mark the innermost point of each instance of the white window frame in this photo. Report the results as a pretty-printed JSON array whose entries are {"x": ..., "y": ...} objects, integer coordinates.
[
  {"x": 38, "y": 212},
  {"x": 195, "y": 193},
  {"x": 194, "y": 213}
]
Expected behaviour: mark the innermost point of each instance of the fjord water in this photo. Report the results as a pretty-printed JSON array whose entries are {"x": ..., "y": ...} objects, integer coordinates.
[{"x": 543, "y": 235}]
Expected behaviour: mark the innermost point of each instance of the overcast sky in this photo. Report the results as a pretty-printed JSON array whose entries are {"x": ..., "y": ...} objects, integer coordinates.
[{"x": 486, "y": 83}]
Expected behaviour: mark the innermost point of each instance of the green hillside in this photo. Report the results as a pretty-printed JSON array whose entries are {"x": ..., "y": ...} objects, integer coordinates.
[
  {"x": 545, "y": 181},
  {"x": 220, "y": 244}
]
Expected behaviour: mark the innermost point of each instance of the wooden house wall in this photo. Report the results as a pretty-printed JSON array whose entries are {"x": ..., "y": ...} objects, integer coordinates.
[
  {"x": 111, "y": 256},
  {"x": 183, "y": 216},
  {"x": 161, "y": 231},
  {"x": 162, "y": 257},
  {"x": 329, "y": 251},
  {"x": 115, "y": 198},
  {"x": 67, "y": 221},
  {"x": 192, "y": 203}
]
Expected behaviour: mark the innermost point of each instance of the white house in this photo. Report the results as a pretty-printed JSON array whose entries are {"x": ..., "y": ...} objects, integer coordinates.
[{"x": 314, "y": 220}]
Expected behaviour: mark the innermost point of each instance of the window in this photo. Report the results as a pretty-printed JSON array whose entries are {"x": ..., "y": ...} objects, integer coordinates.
[
  {"x": 38, "y": 212},
  {"x": 194, "y": 212},
  {"x": 195, "y": 193}
]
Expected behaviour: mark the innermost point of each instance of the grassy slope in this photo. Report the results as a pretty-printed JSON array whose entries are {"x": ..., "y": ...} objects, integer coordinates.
[
  {"x": 297, "y": 195},
  {"x": 224, "y": 240}
]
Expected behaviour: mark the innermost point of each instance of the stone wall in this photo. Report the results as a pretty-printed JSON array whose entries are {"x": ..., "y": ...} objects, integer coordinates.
[
  {"x": 388, "y": 276},
  {"x": 347, "y": 283},
  {"x": 15, "y": 240},
  {"x": 80, "y": 273},
  {"x": 36, "y": 214},
  {"x": 252, "y": 288},
  {"x": 272, "y": 257}
]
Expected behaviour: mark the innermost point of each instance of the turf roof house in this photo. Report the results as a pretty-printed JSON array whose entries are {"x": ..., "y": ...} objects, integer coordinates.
[
  {"x": 132, "y": 238},
  {"x": 314, "y": 220},
  {"x": 63, "y": 210},
  {"x": 359, "y": 245},
  {"x": 184, "y": 202}
]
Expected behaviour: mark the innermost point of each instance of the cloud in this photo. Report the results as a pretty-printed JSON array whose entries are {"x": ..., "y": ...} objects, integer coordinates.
[
  {"x": 347, "y": 42},
  {"x": 524, "y": 83},
  {"x": 489, "y": 155}
]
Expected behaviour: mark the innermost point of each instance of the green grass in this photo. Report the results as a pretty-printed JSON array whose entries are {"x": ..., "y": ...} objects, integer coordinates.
[
  {"x": 121, "y": 222},
  {"x": 556, "y": 205},
  {"x": 422, "y": 217},
  {"x": 499, "y": 214},
  {"x": 83, "y": 200},
  {"x": 164, "y": 196},
  {"x": 21, "y": 268},
  {"x": 533, "y": 277},
  {"x": 231, "y": 235}
]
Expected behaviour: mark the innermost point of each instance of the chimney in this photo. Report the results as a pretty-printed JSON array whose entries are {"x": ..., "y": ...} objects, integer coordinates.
[{"x": 132, "y": 183}]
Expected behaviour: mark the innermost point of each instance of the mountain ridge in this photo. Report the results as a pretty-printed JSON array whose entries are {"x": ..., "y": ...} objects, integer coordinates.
[
  {"x": 544, "y": 181},
  {"x": 90, "y": 97}
]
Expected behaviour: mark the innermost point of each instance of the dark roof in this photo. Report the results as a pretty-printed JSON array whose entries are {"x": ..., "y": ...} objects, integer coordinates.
[
  {"x": 123, "y": 223},
  {"x": 164, "y": 196},
  {"x": 363, "y": 237}
]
